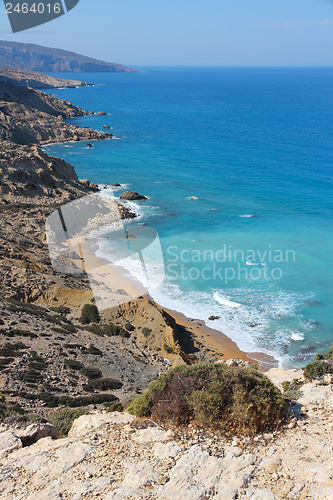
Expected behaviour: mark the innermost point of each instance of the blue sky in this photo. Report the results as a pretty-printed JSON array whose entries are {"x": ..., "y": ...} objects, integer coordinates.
[{"x": 194, "y": 33}]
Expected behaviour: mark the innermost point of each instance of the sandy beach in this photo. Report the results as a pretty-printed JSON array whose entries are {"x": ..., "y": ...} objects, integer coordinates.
[{"x": 113, "y": 285}]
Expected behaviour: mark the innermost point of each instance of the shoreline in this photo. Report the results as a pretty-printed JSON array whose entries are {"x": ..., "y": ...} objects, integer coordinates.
[
  {"x": 207, "y": 340},
  {"x": 216, "y": 342},
  {"x": 210, "y": 340}
]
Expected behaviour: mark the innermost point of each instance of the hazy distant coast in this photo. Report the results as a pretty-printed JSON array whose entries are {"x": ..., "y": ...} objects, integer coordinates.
[{"x": 33, "y": 57}]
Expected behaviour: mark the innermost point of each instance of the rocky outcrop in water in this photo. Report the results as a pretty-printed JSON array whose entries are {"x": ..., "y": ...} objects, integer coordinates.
[{"x": 132, "y": 195}]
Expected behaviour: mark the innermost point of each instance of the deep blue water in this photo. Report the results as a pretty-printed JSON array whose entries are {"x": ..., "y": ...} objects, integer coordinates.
[{"x": 243, "y": 141}]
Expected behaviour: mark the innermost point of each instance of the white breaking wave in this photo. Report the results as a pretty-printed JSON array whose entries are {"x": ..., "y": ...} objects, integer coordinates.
[
  {"x": 297, "y": 336},
  {"x": 225, "y": 302}
]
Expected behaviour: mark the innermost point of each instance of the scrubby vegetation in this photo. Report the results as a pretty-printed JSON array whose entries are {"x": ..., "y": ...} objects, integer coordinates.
[
  {"x": 291, "y": 390},
  {"x": 321, "y": 365},
  {"x": 63, "y": 419},
  {"x": 117, "y": 406},
  {"x": 108, "y": 330},
  {"x": 129, "y": 327},
  {"x": 94, "y": 351},
  {"x": 228, "y": 399},
  {"x": 52, "y": 400},
  {"x": 89, "y": 314},
  {"x": 73, "y": 365},
  {"x": 146, "y": 331},
  {"x": 102, "y": 384},
  {"x": 91, "y": 373},
  {"x": 61, "y": 310}
]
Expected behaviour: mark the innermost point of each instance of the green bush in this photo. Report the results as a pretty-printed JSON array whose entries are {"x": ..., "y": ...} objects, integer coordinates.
[
  {"x": 168, "y": 348},
  {"x": 4, "y": 362},
  {"x": 37, "y": 365},
  {"x": 146, "y": 331},
  {"x": 89, "y": 314},
  {"x": 114, "y": 330},
  {"x": 12, "y": 350},
  {"x": 52, "y": 401},
  {"x": 229, "y": 399},
  {"x": 33, "y": 376},
  {"x": 293, "y": 394},
  {"x": 320, "y": 366},
  {"x": 21, "y": 333},
  {"x": 117, "y": 406},
  {"x": 61, "y": 310},
  {"x": 103, "y": 384},
  {"x": 317, "y": 369},
  {"x": 96, "y": 329},
  {"x": 74, "y": 346},
  {"x": 63, "y": 420},
  {"x": 94, "y": 399},
  {"x": 91, "y": 373},
  {"x": 129, "y": 327},
  {"x": 73, "y": 365},
  {"x": 108, "y": 330},
  {"x": 94, "y": 351},
  {"x": 329, "y": 353}
]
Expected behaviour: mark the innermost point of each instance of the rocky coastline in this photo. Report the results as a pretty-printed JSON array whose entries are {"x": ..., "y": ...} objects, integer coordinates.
[
  {"x": 32, "y": 186},
  {"x": 53, "y": 358}
]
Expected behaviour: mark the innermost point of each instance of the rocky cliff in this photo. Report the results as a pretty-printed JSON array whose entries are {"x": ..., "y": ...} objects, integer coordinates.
[
  {"x": 29, "y": 116},
  {"x": 46, "y": 355},
  {"x": 46, "y": 59}
]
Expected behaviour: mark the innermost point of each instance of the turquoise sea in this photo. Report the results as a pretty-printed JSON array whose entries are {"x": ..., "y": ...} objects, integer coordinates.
[{"x": 237, "y": 166}]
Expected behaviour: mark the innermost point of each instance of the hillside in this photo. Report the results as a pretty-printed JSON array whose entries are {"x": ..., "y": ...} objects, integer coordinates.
[
  {"x": 49, "y": 60},
  {"x": 37, "y": 80}
]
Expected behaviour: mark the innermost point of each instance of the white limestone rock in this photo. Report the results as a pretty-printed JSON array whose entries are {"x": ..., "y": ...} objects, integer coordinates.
[{"x": 87, "y": 423}]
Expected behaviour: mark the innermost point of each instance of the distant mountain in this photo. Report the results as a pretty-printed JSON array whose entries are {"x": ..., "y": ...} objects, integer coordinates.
[{"x": 48, "y": 60}]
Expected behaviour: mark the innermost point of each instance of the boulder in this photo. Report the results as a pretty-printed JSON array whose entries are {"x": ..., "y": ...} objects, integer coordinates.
[
  {"x": 85, "y": 182},
  {"x": 231, "y": 362},
  {"x": 106, "y": 126},
  {"x": 132, "y": 195},
  {"x": 101, "y": 113},
  {"x": 35, "y": 432},
  {"x": 212, "y": 318},
  {"x": 94, "y": 186},
  {"x": 150, "y": 435},
  {"x": 328, "y": 379},
  {"x": 8, "y": 443},
  {"x": 87, "y": 423}
]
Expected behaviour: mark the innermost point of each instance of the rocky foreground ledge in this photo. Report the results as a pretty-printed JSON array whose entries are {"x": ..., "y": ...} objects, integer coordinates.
[{"x": 117, "y": 456}]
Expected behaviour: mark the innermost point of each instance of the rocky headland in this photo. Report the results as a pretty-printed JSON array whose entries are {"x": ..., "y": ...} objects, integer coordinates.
[
  {"x": 37, "y": 80},
  {"x": 29, "y": 116}
]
